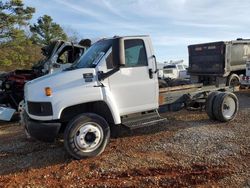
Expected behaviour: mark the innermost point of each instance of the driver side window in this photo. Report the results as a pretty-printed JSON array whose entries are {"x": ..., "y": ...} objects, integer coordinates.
[{"x": 135, "y": 53}]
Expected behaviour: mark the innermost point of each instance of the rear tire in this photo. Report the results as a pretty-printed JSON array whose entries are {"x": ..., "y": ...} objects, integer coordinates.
[
  {"x": 210, "y": 103},
  {"x": 234, "y": 80},
  {"x": 225, "y": 106},
  {"x": 86, "y": 136}
]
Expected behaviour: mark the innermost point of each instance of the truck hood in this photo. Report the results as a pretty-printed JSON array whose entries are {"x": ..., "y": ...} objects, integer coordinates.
[{"x": 34, "y": 90}]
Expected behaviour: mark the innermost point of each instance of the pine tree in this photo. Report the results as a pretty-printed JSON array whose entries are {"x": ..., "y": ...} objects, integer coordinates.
[{"x": 46, "y": 30}]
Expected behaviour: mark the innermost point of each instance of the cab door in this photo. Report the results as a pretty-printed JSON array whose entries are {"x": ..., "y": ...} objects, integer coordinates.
[{"x": 135, "y": 86}]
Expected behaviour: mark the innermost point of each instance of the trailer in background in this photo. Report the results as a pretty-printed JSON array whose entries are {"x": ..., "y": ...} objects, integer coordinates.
[{"x": 218, "y": 63}]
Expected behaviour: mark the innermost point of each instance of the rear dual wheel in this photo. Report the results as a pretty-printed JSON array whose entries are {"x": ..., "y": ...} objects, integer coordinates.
[
  {"x": 209, "y": 104},
  {"x": 222, "y": 106},
  {"x": 225, "y": 106}
]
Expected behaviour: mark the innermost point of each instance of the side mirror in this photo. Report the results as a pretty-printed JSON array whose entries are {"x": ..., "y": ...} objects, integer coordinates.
[{"x": 118, "y": 52}]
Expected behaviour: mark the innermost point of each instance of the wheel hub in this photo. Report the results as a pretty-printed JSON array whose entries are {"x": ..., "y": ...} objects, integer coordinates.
[
  {"x": 226, "y": 107},
  {"x": 88, "y": 137},
  {"x": 229, "y": 107}
]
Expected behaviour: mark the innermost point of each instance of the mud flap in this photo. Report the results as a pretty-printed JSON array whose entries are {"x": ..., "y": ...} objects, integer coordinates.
[{"x": 6, "y": 113}]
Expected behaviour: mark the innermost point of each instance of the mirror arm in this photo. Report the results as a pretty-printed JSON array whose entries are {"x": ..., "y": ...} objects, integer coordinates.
[{"x": 103, "y": 76}]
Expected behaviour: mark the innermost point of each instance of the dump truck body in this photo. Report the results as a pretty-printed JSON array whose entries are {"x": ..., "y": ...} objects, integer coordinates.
[{"x": 216, "y": 62}]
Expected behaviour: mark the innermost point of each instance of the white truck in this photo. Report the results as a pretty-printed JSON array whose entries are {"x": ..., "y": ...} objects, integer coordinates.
[
  {"x": 114, "y": 83},
  {"x": 174, "y": 71}
]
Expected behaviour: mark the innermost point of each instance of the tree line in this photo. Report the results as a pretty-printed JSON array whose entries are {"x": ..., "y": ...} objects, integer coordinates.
[{"x": 21, "y": 41}]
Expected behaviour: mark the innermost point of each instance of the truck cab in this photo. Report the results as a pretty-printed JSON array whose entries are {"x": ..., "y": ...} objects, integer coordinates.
[{"x": 115, "y": 78}]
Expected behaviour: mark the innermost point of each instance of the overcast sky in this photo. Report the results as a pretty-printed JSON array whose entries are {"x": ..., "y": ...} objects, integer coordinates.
[{"x": 172, "y": 24}]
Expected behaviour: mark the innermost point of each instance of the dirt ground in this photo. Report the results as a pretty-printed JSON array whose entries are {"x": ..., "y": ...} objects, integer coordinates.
[{"x": 188, "y": 151}]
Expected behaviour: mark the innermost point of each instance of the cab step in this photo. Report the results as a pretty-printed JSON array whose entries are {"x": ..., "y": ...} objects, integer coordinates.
[{"x": 143, "y": 120}]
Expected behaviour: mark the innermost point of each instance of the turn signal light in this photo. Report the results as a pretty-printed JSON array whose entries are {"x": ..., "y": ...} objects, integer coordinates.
[{"x": 48, "y": 91}]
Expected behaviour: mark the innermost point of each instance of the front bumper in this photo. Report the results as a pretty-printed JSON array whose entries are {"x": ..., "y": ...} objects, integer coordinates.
[
  {"x": 43, "y": 131},
  {"x": 245, "y": 83}
]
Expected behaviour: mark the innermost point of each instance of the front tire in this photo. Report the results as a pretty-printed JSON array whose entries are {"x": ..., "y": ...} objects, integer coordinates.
[{"x": 86, "y": 136}]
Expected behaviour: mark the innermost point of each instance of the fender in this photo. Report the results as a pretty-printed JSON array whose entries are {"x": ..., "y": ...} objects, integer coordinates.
[
  {"x": 110, "y": 101},
  {"x": 105, "y": 96}
]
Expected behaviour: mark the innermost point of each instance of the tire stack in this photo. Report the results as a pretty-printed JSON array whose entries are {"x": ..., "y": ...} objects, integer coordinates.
[{"x": 222, "y": 106}]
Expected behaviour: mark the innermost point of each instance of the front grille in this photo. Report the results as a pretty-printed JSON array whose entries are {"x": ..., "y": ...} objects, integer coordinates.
[
  {"x": 168, "y": 71},
  {"x": 40, "y": 108}
]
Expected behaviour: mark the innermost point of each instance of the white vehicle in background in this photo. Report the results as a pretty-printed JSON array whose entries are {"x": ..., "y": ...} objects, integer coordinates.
[
  {"x": 174, "y": 70},
  {"x": 245, "y": 80}
]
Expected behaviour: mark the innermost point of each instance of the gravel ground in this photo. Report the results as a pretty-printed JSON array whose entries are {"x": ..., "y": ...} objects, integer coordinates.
[{"x": 188, "y": 151}]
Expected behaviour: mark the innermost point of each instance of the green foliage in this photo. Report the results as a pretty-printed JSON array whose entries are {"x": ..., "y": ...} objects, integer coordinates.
[
  {"x": 17, "y": 50},
  {"x": 13, "y": 16},
  {"x": 46, "y": 30},
  {"x": 20, "y": 53}
]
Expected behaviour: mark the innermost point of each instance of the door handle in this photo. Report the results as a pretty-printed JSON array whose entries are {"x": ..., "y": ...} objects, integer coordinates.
[
  {"x": 150, "y": 72},
  {"x": 156, "y": 69}
]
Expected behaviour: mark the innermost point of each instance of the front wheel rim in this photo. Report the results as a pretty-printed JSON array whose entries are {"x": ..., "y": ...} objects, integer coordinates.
[
  {"x": 88, "y": 137},
  {"x": 228, "y": 107}
]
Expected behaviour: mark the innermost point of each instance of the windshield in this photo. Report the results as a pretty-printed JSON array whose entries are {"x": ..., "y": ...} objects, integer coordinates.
[
  {"x": 47, "y": 52},
  {"x": 92, "y": 56}
]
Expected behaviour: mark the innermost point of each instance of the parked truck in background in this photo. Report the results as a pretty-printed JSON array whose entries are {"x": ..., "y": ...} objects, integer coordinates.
[
  {"x": 114, "y": 84},
  {"x": 173, "y": 70},
  {"x": 219, "y": 63}
]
